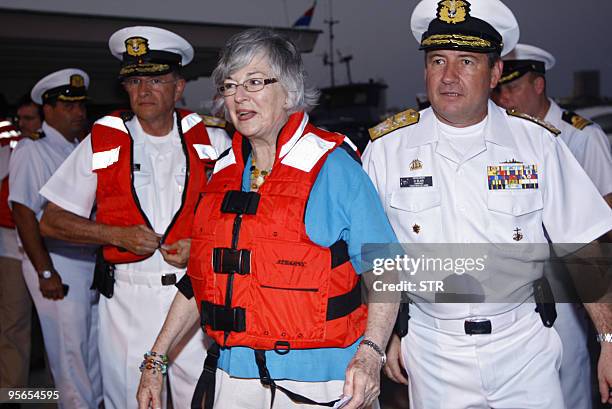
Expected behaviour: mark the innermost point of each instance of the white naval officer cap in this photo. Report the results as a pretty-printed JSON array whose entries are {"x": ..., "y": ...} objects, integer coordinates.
[
  {"x": 145, "y": 50},
  {"x": 68, "y": 85},
  {"x": 523, "y": 59},
  {"x": 477, "y": 26}
]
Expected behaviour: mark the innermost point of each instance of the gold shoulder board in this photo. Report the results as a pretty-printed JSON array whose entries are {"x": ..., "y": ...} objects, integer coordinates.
[
  {"x": 397, "y": 121},
  {"x": 213, "y": 121},
  {"x": 576, "y": 120},
  {"x": 544, "y": 124}
]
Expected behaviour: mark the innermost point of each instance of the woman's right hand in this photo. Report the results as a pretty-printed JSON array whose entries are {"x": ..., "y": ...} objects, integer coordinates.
[{"x": 149, "y": 390}]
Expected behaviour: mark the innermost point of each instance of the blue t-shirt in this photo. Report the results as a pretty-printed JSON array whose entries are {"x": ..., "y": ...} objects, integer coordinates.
[{"x": 343, "y": 204}]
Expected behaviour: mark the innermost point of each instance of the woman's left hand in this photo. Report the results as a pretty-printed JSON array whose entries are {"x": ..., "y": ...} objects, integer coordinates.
[
  {"x": 149, "y": 389},
  {"x": 177, "y": 253},
  {"x": 362, "y": 382}
]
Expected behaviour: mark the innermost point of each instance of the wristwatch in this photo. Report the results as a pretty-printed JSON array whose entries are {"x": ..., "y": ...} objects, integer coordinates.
[
  {"x": 45, "y": 274},
  {"x": 376, "y": 348}
]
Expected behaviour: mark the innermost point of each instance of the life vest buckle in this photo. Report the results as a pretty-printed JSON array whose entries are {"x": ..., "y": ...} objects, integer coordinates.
[
  {"x": 227, "y": 260},
  {"x": 221, "y": 318},
  {"x": 282, "y": 347}
]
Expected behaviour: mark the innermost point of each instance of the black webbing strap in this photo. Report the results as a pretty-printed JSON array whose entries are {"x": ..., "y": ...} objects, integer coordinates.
[
  {"x": 339, "y": 253},
  {"x": 222, "y": 318},
  {"x": 239, "y": 202},
  {"x": 205, "y": 388},
  {"x": 266, "y": 380},
  {"x": 342, "y": 305}
]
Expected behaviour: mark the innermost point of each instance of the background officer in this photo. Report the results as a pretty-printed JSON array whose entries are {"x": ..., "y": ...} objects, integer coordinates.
[
  {"x": 443, "y": 176},
  {"x": 30, "y": 117},
  {"x": 145, "y": 170},
  {"x": 69, "y": 319},
  {"x": 523, "y": 87}
]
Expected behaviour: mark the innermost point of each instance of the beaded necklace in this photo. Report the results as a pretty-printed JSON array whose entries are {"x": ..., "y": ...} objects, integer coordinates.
[{"x": 258, "y": 176}]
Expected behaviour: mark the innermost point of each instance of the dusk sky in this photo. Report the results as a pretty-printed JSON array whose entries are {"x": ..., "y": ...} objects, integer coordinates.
[{"x": 377, "y": 33}]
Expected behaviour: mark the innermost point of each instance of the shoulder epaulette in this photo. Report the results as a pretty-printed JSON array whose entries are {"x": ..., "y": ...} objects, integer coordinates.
[
  {"x": 397, "y": 121},
  {"x": 213, "y": 121},
  {"x": 544, "y": 124},
  {"x": 576, "y": 120},
  {"x": 126, "y": 116}
]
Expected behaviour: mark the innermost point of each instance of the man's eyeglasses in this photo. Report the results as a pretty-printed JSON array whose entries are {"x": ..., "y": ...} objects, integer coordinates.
[
  {"x": 251, "y": 85},
  {"x": 155, "y": 83}
]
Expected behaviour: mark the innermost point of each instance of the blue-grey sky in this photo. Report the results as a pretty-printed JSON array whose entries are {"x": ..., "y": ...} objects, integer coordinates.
[{"x": 377, "y": 34}]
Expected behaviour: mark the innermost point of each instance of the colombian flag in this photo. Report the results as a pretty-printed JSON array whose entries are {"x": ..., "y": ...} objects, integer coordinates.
[{"x": 304, "y": 21}]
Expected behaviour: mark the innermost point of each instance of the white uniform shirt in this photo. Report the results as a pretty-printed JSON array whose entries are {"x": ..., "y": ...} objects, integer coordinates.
[
  {"x": 159, "y": 177},
  {"x": 459, "y": 207},
  {"x": 590, "y": 146},
  {"x": 32, "y": 164}
]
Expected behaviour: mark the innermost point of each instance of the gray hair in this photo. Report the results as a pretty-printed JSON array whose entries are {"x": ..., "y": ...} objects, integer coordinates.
[{"x": 284, "y": 58}]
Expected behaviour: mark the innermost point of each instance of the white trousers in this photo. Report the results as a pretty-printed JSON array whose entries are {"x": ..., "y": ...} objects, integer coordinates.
[
  {"x": 516, "y": 367},
  {"x": 129, "y": 324},
  {"x": 239, "y": 393},
  {"x": 70, "y": 332},
  {"x": 572, "y": 326}
]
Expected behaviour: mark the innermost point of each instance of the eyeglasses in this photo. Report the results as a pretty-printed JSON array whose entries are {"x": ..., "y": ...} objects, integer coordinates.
[
  {"x": 251, "y": 85},
  {"x": 155, "y": 83}
]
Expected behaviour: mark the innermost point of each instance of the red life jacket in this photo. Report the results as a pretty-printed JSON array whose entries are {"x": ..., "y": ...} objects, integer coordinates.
[
  {"x": 6, "y": 217},
  {"x": 117, "y": 202},
  {"x": 257, "y": 277},
  {"x": 8, "y": 134}
]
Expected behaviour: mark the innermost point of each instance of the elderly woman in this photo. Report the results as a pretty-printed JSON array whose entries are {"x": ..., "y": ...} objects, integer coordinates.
[{"x": 274, "y": 271}]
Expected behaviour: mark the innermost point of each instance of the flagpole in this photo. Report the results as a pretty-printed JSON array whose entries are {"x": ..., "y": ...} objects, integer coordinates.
[{"x": 331, "y": 22}]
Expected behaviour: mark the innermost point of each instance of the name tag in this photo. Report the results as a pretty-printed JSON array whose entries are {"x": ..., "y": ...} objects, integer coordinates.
[{"x": 417, "y": 181}]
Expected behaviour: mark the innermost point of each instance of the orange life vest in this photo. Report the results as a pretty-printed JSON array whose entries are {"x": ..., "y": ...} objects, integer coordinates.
[
  {"x": 117, "y": 202},
  {"x": 258, "y": 279}
]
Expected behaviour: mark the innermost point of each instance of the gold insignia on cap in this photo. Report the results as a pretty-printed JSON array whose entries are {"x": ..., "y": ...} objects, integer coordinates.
[
  {"x": 77, "y": 81},
  {"x": 406, "y": 118},
  {"x": 453, "y": 11},
  {"x": 510, "y": 77},
  {"x": 136, "y": 46},
  {"x": 550, "y": 127},
  {"x": 416, "y": 165}
]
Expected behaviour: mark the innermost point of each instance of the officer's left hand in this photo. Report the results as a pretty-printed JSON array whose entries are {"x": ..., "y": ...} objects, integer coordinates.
[
  {"x": 604, "y": 372},
  {"x": 177, "y": 253},
  {"x": 362, "y": 379}
]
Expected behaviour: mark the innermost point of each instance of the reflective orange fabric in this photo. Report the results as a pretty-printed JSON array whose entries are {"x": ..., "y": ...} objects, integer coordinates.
[
  {"x": 285, "y": 295},
  {"x": 117, "y": 203}
]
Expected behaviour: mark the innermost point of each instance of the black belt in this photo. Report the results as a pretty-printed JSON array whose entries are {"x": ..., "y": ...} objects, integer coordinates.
[
  {"x": 477, "y": 327},
  {"x": 168, "y": 279}
]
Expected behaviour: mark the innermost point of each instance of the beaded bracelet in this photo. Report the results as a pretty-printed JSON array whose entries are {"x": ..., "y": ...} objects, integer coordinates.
[
  {"x": 153, "y": 354},
  {"x": 155, "y": 362}
]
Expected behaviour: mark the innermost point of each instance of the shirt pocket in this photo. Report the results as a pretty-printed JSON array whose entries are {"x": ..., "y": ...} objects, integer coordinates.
[
  {"x": 515, "y": 204},
  {"x": 179, "y": 179},
  {"x": 516, "y": 216},
  {"x": 142, "y": 179},
  {"x": 418, "y": 213}
]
